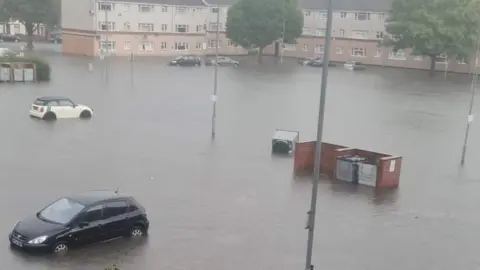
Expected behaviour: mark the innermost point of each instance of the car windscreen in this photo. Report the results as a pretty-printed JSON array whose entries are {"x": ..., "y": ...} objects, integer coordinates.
[
  {"x": 40, "y": 102},
  {"x": 61, "y": 211}
]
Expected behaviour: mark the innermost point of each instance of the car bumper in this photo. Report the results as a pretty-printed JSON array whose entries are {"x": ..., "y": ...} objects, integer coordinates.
[
  {"x": 37, "y": 114},
  {"x": 20, "y": 245}
]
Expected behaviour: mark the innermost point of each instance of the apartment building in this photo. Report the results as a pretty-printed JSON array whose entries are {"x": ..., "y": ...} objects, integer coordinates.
[{"x": 175, "y": 27}]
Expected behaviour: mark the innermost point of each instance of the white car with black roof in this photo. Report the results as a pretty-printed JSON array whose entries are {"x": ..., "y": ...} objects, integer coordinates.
[{"x": 52, "y": 108}]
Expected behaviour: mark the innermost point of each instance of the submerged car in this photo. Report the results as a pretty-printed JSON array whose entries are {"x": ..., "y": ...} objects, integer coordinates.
[
  {"x": 186, "y": 60},
  {"x": 222, "y": 61},
  {"x": 78, "y": 220},
  {"x": 319, "y": 63},
  {"x": 307, "y": 61},
  {"x": 354, "y": 65},
  {"x": 9, "y": 38},
  {"x": 52, "y": 108}
]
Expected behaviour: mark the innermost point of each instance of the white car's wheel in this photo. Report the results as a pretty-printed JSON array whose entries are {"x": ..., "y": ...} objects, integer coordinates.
[
  {"x": 50, "y": 116},
  {"x": 85, "y": 114}
]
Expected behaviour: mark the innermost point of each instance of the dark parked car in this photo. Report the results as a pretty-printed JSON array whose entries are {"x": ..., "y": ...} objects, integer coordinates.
[
  {"x": 307, "y": 61},
  {"x": 319, "y": 63},
  {"x": 222, "y": 61},
  {"x": 56, "y": 39},
  {"x": 186, "y": 60},
  {"x": 85, "y": 218},
  {"x": 9, "y": 38}
]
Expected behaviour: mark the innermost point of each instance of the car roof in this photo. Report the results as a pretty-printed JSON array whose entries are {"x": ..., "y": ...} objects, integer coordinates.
[
  {"x": 91, "y": 197},
  {"x": 50, "y": 98}
]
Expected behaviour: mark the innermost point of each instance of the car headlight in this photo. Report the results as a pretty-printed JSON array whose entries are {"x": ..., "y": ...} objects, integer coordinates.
[{"x": 38, "y": 240}]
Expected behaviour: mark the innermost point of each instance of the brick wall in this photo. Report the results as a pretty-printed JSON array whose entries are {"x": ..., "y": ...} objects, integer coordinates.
[{"x": 389, "y": 167}]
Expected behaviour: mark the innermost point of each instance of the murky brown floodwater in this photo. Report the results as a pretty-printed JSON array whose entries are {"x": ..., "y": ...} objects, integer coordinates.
[{"x": 230, "y": 205}]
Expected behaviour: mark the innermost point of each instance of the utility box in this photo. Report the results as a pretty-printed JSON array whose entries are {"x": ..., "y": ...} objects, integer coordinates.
[
  {"x": 284, "y": 141},
  {"x": 348, "y": 168}
]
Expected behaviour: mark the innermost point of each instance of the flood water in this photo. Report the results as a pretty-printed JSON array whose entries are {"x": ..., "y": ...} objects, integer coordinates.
[{"x": 229, "y": 204}]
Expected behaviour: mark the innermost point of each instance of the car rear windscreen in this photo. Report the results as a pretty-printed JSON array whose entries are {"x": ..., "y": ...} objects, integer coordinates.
[{"x": 40, "y": 102}]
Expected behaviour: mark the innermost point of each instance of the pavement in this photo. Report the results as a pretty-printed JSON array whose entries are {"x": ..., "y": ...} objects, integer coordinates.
[{"x": 229, "y": 204}]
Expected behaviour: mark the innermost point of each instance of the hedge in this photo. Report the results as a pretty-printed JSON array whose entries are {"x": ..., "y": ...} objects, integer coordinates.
[{"x": 42, "y": 67}]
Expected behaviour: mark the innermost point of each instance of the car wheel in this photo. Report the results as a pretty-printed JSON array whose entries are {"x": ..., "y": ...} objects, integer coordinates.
[
  {"x": 50, "y": 116},
  {"x": 85, "y": 114},
  {"x": 60, "y": 248},
  {"x": 137, "y": 232}
]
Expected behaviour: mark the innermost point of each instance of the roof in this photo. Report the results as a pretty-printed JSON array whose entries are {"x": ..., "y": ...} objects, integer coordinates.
[
  {"x": 94, "y": 196},
  {"x": 286, "y": 135},
  {"x": 195, "y": 3},
  {"x": 50, "y": 98},
  {"x": 347, "y": 5}
]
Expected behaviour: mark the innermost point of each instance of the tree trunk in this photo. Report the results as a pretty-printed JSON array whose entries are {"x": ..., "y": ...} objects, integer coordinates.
[
  {"x": 260, "y": 54},
  {"x": 29, "y": 28},
  {"x": 433, "y": 60},
  {"x": 7, "y": 28}
]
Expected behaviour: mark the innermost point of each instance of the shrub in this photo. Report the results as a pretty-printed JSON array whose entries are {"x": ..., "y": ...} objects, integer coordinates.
[{"x": 42, "y": 67}]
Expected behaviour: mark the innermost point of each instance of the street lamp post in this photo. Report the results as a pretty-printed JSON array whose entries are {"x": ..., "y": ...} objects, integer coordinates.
[
  {"x": 470, "y": 111},
  {"x": 283, "y": 40},
  {"x": 215, "y": 78},
  {"x": 318, "y": 147}
]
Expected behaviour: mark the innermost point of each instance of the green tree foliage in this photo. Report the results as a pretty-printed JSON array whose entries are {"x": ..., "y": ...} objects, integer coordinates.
[
  {"x": 259, "y": 23},
  {"x": 434, "y": 27},
  {"x": 30, "y": 13}
]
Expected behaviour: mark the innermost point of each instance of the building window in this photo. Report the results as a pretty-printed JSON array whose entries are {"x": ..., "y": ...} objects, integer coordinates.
[
  {"x": 213, "y": 43},
  {"x": 145, "y": 27},
  {"x": 199, "y": 28},
  {"x": 359, "y": 52},
  {"x": 163, "y": 45},
  {"x": 305, "y": 31},
  {"x": 359, "y": 34},
  {"x": 107, "y": 45},
  {"x": 441, "y": 59},
  {"x": 305, "y": 47},
  {"x": 320, "y": 49},
  {"x": 164, "y": 27},
  {"x": 214, "y": 10},
  {"x": 213, "y": 26},
  {"x": 381, "y": 16},
  {"x": 378, "y": 53},
  {"x": 105, "y": 6},
  {"x": 181, "y": 46},
  {"x": 362, "y": 16},
  {"x": 106, "y": 26},
  {"x": 231, "y": 43},
  {"x": 323, "y": 15},
  {"x": 462, "y": 61},
  {"x": 127, "y": 7},
  {"x": 145, "y": 8},
  {"x": 126, "y": 26},
  {"x": 418, "y": 58},
  {"x": 343, "y": 15},
  {"x": 145, "y": 46},
  {"x": 127, "y": 46},
  {"x": 181, "y": 9},
  {"x": 342, "y": 32},
  {"x": 379, "y": 35},
  {"x": 338, "y": 50},
  {"x": 198, "y": 46},
  {"x": 181, "y": 28},
  {"x": 164, "y": 9},
  {"x": 290, "y": 47},
  {"x": 307, "y": 13},
  {"x": 398, "y": 55},
  {"x": 320, "y": 32}
]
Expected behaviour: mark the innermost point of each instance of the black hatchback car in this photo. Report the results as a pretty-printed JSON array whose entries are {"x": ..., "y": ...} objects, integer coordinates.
[
  {"x": 186, "y": 60},
  {"x": 85, "y": 218},
  {"x": 9, "y": 38}
]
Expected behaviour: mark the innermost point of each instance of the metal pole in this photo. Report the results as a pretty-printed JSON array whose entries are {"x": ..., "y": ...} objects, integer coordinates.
[
  {"x": 318, "y": 147},
  {"x": 470, "y": 111},
  {"x": 215, "y": 80},
  {"x": 107, "y": 43},
  {"x": 283, "y": 40}
]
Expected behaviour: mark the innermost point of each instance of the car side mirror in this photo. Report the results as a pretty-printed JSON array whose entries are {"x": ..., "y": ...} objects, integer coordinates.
[{"x": 82, "y": 224}]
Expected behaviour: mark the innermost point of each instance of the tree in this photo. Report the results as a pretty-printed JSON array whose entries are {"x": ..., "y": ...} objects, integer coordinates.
[
  {"x": 258, "y": 23},
  {"x": 434, "y": 27},
  {"x": 30, "y": 13}
]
